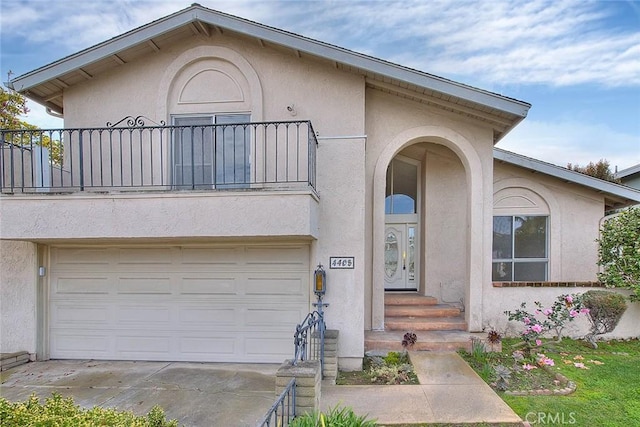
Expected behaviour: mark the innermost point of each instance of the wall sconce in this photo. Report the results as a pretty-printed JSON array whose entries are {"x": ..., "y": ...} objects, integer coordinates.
[{"x": 320, "y": 281}]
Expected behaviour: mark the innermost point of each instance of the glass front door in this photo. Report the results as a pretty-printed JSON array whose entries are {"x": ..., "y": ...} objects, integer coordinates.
[{"x": 400, "y": 246}]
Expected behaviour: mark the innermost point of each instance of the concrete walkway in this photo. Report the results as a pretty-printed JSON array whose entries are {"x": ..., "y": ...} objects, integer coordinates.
[
  {"x": 224, "y": 394},
  {"x": 449, "y": 392}
]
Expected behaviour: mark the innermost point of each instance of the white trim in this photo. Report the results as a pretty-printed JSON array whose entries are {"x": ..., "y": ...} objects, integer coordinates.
[{"x": 567, "y": 175}]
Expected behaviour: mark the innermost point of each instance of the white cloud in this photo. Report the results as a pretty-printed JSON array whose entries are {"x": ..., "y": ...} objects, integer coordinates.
[
  {"x": 573, "y": 142},
  {"x": 557, "y": 43}
]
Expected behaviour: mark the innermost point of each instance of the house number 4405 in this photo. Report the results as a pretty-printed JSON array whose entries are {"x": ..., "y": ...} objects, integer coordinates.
[{"x": 342, "y": 262}]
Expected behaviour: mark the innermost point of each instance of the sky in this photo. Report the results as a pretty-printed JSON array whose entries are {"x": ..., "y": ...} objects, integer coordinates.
[{"x": 576, "y": 61}]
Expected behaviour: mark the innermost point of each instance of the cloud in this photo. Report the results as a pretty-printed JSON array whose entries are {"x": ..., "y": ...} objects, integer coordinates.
[
  {"x": 556, "y": 43},
  {"x": 580, "y": 143}
]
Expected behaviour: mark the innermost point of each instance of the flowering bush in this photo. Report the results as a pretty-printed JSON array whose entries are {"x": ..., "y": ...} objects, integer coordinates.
[{"x": 546, "y": 319}]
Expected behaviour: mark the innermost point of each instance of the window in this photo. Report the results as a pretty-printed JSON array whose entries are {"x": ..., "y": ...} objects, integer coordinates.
[
  {"x": 520, "y": 248},
  {"x": 402, "y": 188},
  {"x": 203, "y": 158}
]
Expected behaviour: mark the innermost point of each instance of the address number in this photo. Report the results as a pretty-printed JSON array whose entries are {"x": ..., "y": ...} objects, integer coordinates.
[{"x": 346, "y": 262}]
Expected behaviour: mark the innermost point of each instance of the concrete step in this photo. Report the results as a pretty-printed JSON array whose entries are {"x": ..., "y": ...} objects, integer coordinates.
[
  {"x": 425, "y": 324},
  {"x": 426, "y": 341},
  {"x": 392, "y": 298},
  {"x": 438, "y": 310}
]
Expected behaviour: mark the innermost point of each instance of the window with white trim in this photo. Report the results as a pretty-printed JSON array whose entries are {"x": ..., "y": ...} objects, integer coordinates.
[
  {"x": 520, "y": 248},
  {"x": 204, "y": 158}
]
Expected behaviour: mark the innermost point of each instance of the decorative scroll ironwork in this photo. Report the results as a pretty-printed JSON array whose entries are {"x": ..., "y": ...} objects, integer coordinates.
[
  {"x": 309, "y": 338},
  {"x": 138, "y": 121},
  {"x": 283, "y": 411}
]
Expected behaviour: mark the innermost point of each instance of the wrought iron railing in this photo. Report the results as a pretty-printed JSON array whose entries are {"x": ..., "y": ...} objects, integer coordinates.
[
  {"x": 283, "y": 411},
  {"x": 309, "y": 339},
  {"x": 138, "y": 157}
]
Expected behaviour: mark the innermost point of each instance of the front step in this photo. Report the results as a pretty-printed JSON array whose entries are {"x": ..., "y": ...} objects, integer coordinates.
[
  {"x": 425, "y": 324},
  {"x": 436, "y": 310},
  {"x": 407, "y": 299},
  {"x": 426, "y": 341}
]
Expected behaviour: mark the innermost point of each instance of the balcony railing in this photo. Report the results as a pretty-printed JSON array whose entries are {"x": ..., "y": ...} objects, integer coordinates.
[{"x": 200, "y": 157}]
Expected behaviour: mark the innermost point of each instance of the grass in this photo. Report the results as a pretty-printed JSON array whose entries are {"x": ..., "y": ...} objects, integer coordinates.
[
  {"x": 607, "y": 380},
  {"x": 396, "y": 368}
]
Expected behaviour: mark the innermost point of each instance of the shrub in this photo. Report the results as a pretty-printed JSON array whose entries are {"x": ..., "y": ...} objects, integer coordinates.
[
  {"x": 564, "y": 309},
  {"x": 61, "y": 411},
  {"x": 334, "y": 417},
  {"x": 619, "y": 252},
  {"x": 605, "y": 311}
]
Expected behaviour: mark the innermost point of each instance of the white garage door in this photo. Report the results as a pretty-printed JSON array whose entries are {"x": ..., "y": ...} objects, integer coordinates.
[{"x": 178, "y": 303}]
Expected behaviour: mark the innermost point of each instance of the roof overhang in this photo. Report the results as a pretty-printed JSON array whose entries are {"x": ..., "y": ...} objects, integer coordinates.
[
  {"x": 616, "y": 195},
  {"x": 46, "y": 84}
]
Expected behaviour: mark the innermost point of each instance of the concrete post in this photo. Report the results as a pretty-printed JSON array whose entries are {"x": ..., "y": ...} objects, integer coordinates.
[
  {"x": 331, "y": 355},
  {"x": 308, "y": 377}
]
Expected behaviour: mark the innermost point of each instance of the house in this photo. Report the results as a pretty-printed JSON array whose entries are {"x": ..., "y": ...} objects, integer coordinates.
[
  {"x": 629, "y": 176},
  {"x": 212, "y": 163}
]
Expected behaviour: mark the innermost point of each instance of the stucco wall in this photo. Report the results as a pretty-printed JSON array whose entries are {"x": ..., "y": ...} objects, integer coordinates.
[
  {"x": 161, "y": 215},
  {"x": 18, "y": 286},
  {"x": 273, "y": 80},
  {"x": 574, "y": 221},
  {"x": 330, "y": 98},
  {"x": 394, "y": 123},
  {"x": 503, "y": 299}
]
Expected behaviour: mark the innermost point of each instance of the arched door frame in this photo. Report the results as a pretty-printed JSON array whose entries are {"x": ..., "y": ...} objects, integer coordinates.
[{"x": 479, "y": 217}]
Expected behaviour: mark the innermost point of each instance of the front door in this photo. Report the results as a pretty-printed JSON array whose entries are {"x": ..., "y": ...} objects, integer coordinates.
[
  {"x": 401, "y": 252},
  {"x": 400, "y": 256}
]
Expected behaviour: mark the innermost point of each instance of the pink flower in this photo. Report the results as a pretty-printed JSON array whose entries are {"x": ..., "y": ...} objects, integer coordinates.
[
  {"x": 528, "y": 367},
  {"x": 569, "y": 299},
  {"x": 538, "y": 342},
  {"x": 536, "y": 328},
  {"x": 573, "y": 313},
  {"x": 584, "y": 311},
  {"x": 548, "y": 362},
  {"x": 526, "y": 320},
  {"x": 547, "y": 311}
]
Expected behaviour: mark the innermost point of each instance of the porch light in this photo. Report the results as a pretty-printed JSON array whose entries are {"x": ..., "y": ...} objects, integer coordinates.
[{"x": 320, "y": 281}]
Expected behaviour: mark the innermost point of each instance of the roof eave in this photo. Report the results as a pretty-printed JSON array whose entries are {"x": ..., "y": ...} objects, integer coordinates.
[{"x": 622, "y": 192}]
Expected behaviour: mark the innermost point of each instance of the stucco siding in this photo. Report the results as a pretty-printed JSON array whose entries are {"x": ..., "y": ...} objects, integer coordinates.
[
  {"x": 284, "y": 80},
  {"x": 509, "y": 299},
  {"x": 18, "y": 288},
  {"x": 574, "y": 220},
  {"x": 161, "y": 215},
  {"x": 340, "y": 181},
  {"x": 394, "y": 124}
]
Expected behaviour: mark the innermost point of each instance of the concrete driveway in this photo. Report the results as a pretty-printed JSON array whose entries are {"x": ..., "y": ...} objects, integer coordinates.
[{"x": 196, "y": 394}]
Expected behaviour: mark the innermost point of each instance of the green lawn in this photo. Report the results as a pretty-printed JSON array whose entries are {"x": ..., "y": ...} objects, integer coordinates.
[{"x": 607, "y": 394}]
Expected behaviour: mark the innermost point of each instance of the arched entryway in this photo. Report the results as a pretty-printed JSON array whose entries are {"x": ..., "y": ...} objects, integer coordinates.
[{"x": 444, "y": 209}]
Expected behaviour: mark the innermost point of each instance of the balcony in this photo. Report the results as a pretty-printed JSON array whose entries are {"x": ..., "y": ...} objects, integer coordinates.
[
  {"x": 233, "y": 180},
  {"x": 134, "y": 157}
]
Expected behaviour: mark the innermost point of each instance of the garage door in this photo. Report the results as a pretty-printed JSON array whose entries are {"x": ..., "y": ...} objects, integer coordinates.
[{"x": 178, "y": 303}]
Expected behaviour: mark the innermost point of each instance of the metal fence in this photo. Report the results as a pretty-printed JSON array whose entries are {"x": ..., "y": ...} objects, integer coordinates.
[
  {"x": 309, "y": 339},
  {"x": 283, "y": 411},
  {"x": 137, "y": 157}
]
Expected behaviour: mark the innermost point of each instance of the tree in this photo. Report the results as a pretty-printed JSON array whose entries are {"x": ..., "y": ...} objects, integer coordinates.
[
  {"x": 619, "y": 252},
  {"x": 12, "y": 106},
  {"x": 601, "y": 170}
]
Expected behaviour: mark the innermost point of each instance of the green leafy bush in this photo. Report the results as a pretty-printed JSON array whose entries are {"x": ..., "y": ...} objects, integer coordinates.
[
  {"x": 605, "y": 311},
  {"x": 619, "y": 252},
  {"x": 61, "y": 411},
  {"x": 335, "y": 417}
]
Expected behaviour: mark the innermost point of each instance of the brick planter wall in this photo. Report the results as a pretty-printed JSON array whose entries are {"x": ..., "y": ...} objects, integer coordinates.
[{"x": 308, "y": 377}]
